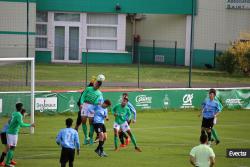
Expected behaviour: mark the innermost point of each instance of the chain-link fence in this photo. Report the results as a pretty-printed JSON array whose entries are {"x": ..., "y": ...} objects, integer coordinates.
[
  {"x": 219, "y": 49},
  {"x": 74, "y": 46}
]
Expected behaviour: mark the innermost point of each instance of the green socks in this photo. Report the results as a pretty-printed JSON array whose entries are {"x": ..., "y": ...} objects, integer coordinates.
[
  {"x": 85, "y": 130},
  {"x": 133, "y": 140},
  {"x": 9, "y": 156},
  {"x": 116, "y": 141},
  {"x": 91, "y": 131},
  {"x": 214, "y": 134}
]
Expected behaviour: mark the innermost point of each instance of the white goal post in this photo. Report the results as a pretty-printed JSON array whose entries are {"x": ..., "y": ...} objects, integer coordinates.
[{"x": 32, "y": 83}]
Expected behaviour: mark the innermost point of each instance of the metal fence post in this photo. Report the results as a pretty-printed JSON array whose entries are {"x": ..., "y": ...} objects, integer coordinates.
[
  {"x": 175, "y": 53},
  {"x": 191, "y": 47},
  {"x": 138, "y": 66},
  {"x": 86, "y": 68},
  {"x": 215, "y": 50},
  {"x": 153, "y": 52}
]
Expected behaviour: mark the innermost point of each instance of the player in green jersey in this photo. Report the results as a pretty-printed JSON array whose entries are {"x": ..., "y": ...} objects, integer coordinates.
[
  {"x": 91, "y": 97},
  {"x": 16, "y": 122},
  {"x": 121, "y": 113}
]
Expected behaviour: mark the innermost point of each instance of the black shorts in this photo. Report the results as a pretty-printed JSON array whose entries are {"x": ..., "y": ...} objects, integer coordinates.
[
  {"x": 79, "y": 118},
  {"x": 207, "y": 123},
  {"x": 99, "y": 128},
  {"x": 67, "y": 154},
  {"x": 4, "y": 138}
]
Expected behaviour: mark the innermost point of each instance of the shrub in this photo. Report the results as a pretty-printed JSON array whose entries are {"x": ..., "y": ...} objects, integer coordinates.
[
  {"x": 236, "y": 56},
  {"x": 227, "y": 62}
]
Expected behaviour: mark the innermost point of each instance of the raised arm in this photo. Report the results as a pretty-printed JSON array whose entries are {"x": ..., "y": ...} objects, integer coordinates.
[{"x": 132, "y": 109}]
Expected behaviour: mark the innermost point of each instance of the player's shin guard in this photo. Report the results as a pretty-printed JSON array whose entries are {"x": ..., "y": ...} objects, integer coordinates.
[
  {"x": 214, "y": 134},
  {"x": 116, "y": 141},
  {"x": 10, "y": 155},
  {"x": 133, "y": 140},
  {"x": 91, "y": 131},
  {"x": 2, "y": 156},
  {"x": 85, "y": 130}
]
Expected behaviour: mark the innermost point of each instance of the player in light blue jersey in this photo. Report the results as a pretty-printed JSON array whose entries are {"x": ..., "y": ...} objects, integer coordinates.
[
  {"x": 68, "y": 139},
  {"x": 210, "y": 109},
  {"x": 123, "y": 135},
  {"x": 101, "y": 113}
]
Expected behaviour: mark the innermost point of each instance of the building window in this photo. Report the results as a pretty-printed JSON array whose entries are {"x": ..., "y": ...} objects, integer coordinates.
[
  {"x": 41, "y": 30},
  {"x": 67, "y": 17},
  {"x": 102, "y": 31}
]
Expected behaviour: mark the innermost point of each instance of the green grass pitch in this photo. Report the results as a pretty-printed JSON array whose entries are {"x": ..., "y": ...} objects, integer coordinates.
[{"x": 165, "y": 138}]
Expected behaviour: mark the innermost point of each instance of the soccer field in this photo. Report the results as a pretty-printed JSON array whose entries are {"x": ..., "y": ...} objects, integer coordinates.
[{"x": 165, "y": 138}]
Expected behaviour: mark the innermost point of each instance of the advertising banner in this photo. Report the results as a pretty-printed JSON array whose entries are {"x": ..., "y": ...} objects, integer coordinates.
[
  {"x": 47, "y": 103},
  {"x": 167, "y": 99}
]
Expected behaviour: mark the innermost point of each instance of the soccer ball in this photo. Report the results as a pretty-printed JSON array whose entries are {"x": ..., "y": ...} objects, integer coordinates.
[{"x": 100, "y": 77}]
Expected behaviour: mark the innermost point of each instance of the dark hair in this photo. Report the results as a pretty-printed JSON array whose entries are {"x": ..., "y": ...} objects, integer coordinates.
[
  {"x": 203, "y": 138},
  {"x": 125, "y": 98},
  {"x": 108, "y": 102},
  {"x": 23, "y": 111},
  {"x": 99, "y": 83},
  {"x": 69, "y": 122},
  {"x": 212, "y": 91},
  {"x": 91, "y": 84},
  {"x": 19, "y": 106},
  {"x": 125, "y": 94}
]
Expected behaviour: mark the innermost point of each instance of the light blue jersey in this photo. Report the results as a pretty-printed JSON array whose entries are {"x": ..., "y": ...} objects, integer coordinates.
[
  {"x": 100, "y": 114},
  {"x": 132, "y": 109},
  {"x": 101, "y": 100},
  {"x": 68, "y": 138},
  {"x": 210, "y": 108},
  {"x": 5, "y": 128}
]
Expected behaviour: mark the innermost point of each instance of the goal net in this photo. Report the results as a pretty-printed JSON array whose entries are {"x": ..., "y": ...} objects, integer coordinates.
[{"x": 17, "y": 85}]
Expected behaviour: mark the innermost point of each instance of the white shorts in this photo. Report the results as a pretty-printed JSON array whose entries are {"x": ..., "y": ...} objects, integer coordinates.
[
  {"x": 215, "y": 120},
  {"x": 87, "y": 110},
  {"x": 12, "y": 140},
  {"x": 124, "y": 127}
]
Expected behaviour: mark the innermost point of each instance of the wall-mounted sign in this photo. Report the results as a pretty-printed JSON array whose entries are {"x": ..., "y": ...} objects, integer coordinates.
[{"x": 238, "y": 4}]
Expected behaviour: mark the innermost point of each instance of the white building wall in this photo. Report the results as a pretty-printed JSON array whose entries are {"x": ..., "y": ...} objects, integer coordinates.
[
  {"x": 215, "y": 23},
  {"x": 13, "y": 27},
  {"x": 163, "y": 27}
]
